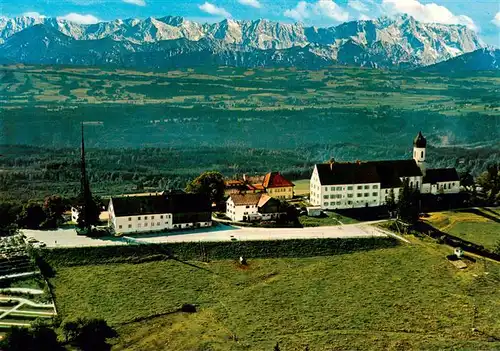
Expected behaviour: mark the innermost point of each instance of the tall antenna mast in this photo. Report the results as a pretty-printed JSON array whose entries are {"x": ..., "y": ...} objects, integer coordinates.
[
  {"x": 85, "y": 193},
  {"x": 84, "y": 183}
]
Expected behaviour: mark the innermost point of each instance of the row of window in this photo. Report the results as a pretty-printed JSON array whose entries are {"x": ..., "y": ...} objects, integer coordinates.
[
  {"x": 279, "y": 190},
  {"x": 152, "y": 225},
  {"x": 339, "y": 196},
  {"x": 145, "y": 225},
  {"x": 351, "y": 187},
  {"x": 152, "y": 217},
  {"x": 447, "y": 184},
  {"x": 339, "y": 203}
]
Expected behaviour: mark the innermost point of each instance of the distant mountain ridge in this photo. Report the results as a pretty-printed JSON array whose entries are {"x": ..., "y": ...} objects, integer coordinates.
[
  {"x": 400, "y": 42},
  {"x": 486, "y": 59}
]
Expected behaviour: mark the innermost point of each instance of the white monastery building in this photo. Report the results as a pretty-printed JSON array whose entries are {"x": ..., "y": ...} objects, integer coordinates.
[
  {"x": 345, "y": 185},
  {"x": 159, "y": 212}
]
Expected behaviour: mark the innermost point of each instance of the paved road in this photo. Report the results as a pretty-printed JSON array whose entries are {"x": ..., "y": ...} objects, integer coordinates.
[
  {"x": 69, "y": 238},
  {"x": 23, "y": 291}
]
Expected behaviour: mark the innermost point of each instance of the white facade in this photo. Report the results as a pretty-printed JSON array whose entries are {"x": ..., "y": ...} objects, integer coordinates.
[
  {"x": 148, "y": 223},
  {"x": 419, "y": 155},
  {"x": 238, "y": 213},
  {"x": 441, "y": 188},
  {"x": 74, "y": 214},
  {"x": 343, "y": 196},
  {"x": 385, "y": 193}
]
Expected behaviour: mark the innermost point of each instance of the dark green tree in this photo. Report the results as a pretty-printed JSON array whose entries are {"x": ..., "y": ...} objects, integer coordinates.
[
  {"x": 39, "y": 337},
  {"x": 9, "y": 214},
  {"x": 391, "y": 201},
  {"x": 89, "y": 214},
  {"x": 467, "y": 180},
  {"x": 54, "y": 207},
  {"x": 490, "y": 182},
  {"x": 407, "y": 206},
  {"x": 32, "y": 216},
  {"x": 277, "y": 347},
  {"x": 208, "y": 183},
  {"x": 89, "y": 334},
  {"x": 70, "y": 330}
]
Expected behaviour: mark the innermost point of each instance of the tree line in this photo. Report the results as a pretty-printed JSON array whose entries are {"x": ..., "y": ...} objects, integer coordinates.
[{"x": 80, "y": 334}]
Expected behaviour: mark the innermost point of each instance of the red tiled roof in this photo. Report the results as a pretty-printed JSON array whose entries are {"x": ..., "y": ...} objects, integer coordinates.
[{"x": 276, "y": 180}]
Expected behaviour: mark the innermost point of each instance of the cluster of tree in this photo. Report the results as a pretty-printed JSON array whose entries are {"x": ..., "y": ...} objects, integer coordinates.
[
  {"x": 81, "y": 334},
  {"x": 210, "y": 184},
  {"x": 32, "y": 215},
  {"x": 45, "y": 215},
  {"x": 88, "y": 334},
  {"x": 489, "y": 181},
  {"x": 407, "y": 207}
]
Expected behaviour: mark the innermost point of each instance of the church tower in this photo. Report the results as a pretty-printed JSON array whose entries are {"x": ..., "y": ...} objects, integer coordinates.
[{"x": 419, "y": 145}]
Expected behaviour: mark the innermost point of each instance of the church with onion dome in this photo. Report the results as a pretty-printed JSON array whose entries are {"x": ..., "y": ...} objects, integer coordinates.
[{"x": 343, "y": 185}]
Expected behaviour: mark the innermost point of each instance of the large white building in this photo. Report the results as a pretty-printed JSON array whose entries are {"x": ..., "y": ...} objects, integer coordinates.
[
  {"x": 166, "y": 211},
  {"x": 345, "y": 185}
]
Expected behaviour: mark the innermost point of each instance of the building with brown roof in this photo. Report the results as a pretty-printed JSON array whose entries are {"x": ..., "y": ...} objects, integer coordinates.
[
  {"x": 251, "y": 207},
  {"x": 340, "y": 185}
]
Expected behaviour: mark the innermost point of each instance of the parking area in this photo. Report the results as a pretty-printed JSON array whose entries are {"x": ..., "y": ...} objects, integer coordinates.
[{"x": 69, "y": 237}]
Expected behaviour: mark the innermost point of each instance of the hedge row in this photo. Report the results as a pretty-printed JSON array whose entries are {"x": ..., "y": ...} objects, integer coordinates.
[{"x": 211, "y": 250}]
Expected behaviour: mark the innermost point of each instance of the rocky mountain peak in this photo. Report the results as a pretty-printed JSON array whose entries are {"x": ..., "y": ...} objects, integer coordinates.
[{"x": 388, "y": 42}]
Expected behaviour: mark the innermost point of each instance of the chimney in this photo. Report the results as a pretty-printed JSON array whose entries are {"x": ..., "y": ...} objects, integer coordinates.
[
  {"x": 244, "y": 177},
  {"x": 331, "y": 162}
]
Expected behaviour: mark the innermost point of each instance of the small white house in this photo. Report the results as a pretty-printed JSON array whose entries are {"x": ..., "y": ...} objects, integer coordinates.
[
  {"x": 252, "y": 207},
  {"x": 242, "y": 207}
]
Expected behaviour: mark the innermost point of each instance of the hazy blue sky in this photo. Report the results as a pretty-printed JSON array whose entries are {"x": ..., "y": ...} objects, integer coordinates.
[{"x": 481, "y": 15}]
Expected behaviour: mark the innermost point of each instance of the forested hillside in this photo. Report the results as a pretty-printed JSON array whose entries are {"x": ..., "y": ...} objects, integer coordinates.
[{"x": 157, "y": 129}]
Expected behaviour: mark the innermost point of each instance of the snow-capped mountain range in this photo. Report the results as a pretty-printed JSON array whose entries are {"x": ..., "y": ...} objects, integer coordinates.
[{"x": 400, "y": 42}]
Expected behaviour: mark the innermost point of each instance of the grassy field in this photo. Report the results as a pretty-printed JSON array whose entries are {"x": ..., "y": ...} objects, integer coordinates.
[
  {"x": 329, "y": 218},
  {"x": 404, "y": 298},
  {"x": 480, "y": 226},
  {"x": 301, "y": 187}
]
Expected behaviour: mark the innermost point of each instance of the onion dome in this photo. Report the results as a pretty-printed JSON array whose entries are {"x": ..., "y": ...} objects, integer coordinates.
[{"x": 420, "y": 141}]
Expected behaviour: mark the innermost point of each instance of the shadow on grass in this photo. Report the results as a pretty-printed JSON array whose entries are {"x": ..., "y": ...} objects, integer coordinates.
[
  {"x": 186, "y": 308},
  {"x": 192, "y": 265},
  {"x": 142, "y": 319}
]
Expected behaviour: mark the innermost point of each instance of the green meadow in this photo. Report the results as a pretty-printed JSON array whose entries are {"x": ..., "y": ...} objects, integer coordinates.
[{"x": 404, "y": 298}]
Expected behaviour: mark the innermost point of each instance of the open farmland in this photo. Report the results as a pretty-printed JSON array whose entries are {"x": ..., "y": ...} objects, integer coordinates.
[
  {"x": 228, "y": 106},
  {"x": 160, "y": 129},
  {"x": 402, "y": 298}
]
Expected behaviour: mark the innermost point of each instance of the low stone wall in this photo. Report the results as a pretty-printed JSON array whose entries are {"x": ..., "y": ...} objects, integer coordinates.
[{"x": 212, "y": 250}]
